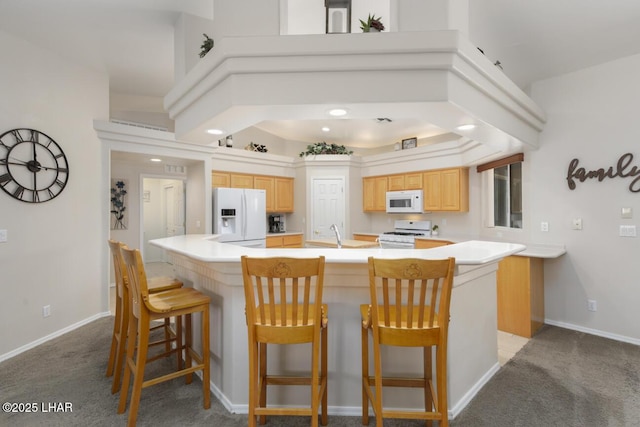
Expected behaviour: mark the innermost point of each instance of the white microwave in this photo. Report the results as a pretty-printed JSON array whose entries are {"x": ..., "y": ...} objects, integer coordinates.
[{"x": 409, "y": 201}]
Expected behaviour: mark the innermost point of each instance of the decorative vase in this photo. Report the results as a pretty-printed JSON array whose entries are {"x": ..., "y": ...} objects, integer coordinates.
[{"x": 230, "y": 141}]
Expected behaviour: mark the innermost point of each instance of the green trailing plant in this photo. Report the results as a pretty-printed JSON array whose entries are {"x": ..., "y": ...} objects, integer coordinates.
[
  {"x": 372, "y": 22},
  {"x": 324, "y": 148},
  {"x": 207, "y": 45}
]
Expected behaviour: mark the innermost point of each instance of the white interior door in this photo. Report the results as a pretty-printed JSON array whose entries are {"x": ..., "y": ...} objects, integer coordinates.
[
  {"x": 163, "y": 213},
  {"x": 174, "y": 209},
  {"x": 328, "y": 207}
]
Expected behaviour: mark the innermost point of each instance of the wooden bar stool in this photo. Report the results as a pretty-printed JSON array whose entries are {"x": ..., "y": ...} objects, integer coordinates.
[
  {"x": 121, "y": 322},
  {"x": 148, "y": 307},
  {"x": 281, "y": 309},
  {"x": 409, "y": 307}
]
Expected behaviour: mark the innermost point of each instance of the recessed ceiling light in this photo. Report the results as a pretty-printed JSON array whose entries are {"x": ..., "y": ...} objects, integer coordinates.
[
  {"x": 215, "y": 131},
  {"x": 325, "y": 129},
  {"x": 337, "y": 112},
  {"x": 156, "y": 160},
  {"x": 466, "y": 127}
]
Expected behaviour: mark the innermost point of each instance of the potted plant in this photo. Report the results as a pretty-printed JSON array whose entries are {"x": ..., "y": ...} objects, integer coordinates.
[
  {"x": 207, "y": 44},
  {"x": 324, "y": 148},
  {"x": 372, "y": 25},
  {"x": 434, "y": 230}
]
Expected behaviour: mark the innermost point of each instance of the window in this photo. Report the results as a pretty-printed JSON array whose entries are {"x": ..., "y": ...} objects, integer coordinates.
[{"x": 504, "y": 191}]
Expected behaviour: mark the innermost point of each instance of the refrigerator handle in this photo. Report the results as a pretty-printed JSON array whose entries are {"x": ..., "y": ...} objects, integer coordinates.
[{"x": 244, "y": 215}]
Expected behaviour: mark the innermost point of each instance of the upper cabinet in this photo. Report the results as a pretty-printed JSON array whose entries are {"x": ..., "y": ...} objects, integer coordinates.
[
  {"x": 444, "y": 189},
  {"x": 279, "y": 190},
  {"x": 374, "y": 193},
  {"x": 283, "y": 195}
]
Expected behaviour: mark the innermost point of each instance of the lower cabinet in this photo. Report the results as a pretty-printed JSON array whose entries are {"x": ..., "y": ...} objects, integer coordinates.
[
  {"x": 365, "y": 237},
  {"x": 286, "y": 241},
  {"x": 521, "y": 295},
  {"x": 428, "y": 243}
]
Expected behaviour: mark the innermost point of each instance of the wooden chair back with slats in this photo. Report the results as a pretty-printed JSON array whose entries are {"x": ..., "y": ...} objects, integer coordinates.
[
  {"x": 410, "y": 301},
  {"x": 284, "y": 306}
]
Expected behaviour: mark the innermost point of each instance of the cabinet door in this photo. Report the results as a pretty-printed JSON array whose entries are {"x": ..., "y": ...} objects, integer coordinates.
[
  {"x": 292, "y": 241},
  {"x": 266, "y": 183},
  {"x": 455, "y": 190},
  {"x": 220, "y": 180},
  {"x": 380, "y": 193},
  {"x": 428, "y": 244},
  {"x": 365, "y": 237},
  {"x": 368, "y": 190},
  {"x": 431, "y": 182},
  {"x": 450, "y": 196},
  {"x": 274, "y": 242},
  {"x": 396, "y": 182},
  {"x": 241, "y": 181},
  {"x": 413, "y": 181},
  {"x": 283, "y": 195}
]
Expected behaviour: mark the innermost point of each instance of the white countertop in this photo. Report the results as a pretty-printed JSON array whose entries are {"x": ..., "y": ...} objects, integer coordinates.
[
  {"x": 533, "y": 250},
  {"x": 206, "y": 248}
]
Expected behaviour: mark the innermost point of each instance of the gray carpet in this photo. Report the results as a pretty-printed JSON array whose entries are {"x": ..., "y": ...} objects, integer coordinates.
[{"x": 560, "y": 378}]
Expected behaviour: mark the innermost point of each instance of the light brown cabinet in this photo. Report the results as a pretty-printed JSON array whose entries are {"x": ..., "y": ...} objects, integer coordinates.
[
  {"x": 520, "y": 287},
  {"x": 429, "y": 243},
  {"x": 219, "y": 179},
  {"x": 443, "y": 189},
  {"x": 279, "y": 190},
  {"x": 446, "y": 190},
  {"x": 287, "y": 241},
  {"x": 365, "y": 237},
  {"x": 283, "y": 199},
  {"x": 266, "y": 183},
  {"x": 374, "y": 193}
]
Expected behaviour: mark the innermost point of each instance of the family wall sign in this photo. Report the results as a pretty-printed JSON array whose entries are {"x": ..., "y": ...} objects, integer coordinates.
[{"x": 623, "y": 169}]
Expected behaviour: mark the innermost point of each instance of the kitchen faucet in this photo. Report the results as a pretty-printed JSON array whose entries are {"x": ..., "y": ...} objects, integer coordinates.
[{"x": 338, "y": 238}]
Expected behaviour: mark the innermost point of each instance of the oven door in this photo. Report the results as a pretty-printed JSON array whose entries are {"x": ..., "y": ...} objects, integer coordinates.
[{"x": 395, "y": 245}]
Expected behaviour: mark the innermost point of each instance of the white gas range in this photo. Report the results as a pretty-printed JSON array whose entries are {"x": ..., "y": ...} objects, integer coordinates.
[{"x": 404, "y": 234}]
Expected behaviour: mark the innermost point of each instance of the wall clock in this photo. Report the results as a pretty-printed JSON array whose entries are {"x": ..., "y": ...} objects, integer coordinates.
[{"x": 33, "y": 167}]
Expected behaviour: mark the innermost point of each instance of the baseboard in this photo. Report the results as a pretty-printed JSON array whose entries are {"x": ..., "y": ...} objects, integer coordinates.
[
  {"x": 51, "y": 336},
  {"x": 470, "y": 394},
  {"x": 590, "y": 331}
]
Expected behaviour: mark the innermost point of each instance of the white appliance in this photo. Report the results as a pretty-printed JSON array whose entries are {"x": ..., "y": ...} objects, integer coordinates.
[
  {"x": 239, "y": 216},
  {"x": 404, "y": 234},
  {"x": 409, "y": 201}
]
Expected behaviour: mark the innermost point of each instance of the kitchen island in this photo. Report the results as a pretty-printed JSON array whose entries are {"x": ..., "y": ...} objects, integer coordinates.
[{"x": 214, "y": 268}]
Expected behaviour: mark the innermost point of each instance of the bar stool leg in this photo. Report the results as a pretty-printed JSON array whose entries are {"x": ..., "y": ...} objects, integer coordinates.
[{"x": 206, "y": 380}]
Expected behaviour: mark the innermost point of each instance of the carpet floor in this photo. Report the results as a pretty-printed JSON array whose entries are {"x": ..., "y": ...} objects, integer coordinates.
[{"x": 559, "y": 378}]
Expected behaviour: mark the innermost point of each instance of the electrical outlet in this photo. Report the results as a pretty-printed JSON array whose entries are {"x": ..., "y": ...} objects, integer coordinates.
[
  {"x": 3, "y": 236},
  {"x": 544, "y": 226},
  {"x": 577, "y": 224},
  {"x": 592, "y": 305},
  {"x": 46, "y": 311}
]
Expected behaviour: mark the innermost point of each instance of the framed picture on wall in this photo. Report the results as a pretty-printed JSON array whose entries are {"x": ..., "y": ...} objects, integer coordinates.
[{"x": 409, "y": 143}]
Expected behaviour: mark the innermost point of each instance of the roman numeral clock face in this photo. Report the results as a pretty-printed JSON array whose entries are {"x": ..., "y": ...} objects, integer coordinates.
[{"x": 33, "y": 167}]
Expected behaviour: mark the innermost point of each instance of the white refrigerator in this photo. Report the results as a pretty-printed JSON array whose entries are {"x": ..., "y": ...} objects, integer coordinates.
[{"x": 240, "y": 216}]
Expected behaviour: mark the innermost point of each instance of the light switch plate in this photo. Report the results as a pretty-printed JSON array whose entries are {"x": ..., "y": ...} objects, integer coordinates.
[
  {"x": 577, "y": 224},
  {"x": 626, "y": 213},
  {"x": 3, "y": 236},
  {"x": 628, "y": 231}
]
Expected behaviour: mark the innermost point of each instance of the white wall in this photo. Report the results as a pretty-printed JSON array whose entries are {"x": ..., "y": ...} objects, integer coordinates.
[
  {"x": 55, "y": 250},
  {"x": 592, "y": 116}
]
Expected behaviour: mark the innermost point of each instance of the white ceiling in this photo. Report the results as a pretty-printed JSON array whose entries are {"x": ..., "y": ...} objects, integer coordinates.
[{"x": 132, "y": 40}]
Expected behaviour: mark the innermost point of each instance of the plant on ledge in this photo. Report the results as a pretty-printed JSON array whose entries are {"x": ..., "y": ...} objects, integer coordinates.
[
  {"x": 207, "y": 44},
  {"x": 372, "y": 24},
  {"x": 324, "y": 148}
]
